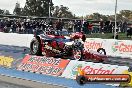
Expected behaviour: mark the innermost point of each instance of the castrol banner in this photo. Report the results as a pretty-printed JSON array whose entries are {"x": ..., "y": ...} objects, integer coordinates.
[
  {"x": 44, "y": 65},
  {"x": 91, "y": 68},
  {"x": 122, "y": 48}
]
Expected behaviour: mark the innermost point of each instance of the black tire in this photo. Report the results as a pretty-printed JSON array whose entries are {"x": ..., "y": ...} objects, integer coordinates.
[
  {"x": 36, "y": 51},
  {"x": 100, "y": 50},
  {"x": 81, "y": 80}
]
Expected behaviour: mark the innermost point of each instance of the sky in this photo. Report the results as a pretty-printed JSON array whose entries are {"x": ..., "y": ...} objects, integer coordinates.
[{"x": 79, "y": 7}]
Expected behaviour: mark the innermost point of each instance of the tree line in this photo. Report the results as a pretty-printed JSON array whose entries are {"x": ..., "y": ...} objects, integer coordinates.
[{"x": 40, "y": 8}]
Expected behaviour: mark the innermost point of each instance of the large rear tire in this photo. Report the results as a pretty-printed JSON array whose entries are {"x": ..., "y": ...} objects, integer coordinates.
[{"x": 35, "y": 47}]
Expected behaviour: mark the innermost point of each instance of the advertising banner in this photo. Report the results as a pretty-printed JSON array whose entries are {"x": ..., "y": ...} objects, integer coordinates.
[
  {"x": 112, "y": 47},
  {"x": 91, "y": 68},
  {"x": 122, "y": 47},
  {"x": 44, "y": 65}
]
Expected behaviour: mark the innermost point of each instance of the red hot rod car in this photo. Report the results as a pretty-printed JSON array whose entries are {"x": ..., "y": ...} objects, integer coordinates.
[{"x": 54, "y": 44}]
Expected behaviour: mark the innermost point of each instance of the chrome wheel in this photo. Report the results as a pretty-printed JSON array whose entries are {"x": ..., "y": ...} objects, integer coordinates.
[
  {"x": 101, "y": 51},
  {"x": 77, "y": 54},
  {"x": 35, "y": 46}
]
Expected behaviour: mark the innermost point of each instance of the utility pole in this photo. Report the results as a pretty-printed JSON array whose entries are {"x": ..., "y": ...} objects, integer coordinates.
[
  {"x": 49, "y": 8},
  {"x": 115, "y": 19}
]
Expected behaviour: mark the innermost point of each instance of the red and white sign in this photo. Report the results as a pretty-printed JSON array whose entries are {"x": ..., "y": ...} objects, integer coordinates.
[
  {"x": 91, "y": 68},
  {"x": 44, "y": 65},
  {"x": 112, "y": 47}
]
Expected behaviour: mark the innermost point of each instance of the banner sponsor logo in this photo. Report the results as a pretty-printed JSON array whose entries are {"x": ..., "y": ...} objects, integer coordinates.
[
  {"x": 94, "y": 45},
  {"x": 6, "y": 61},
  {"x": 101, "y": 70},
  {"x": 121, "y": 47},
  {"x": 74, "y": 70},
  {"x": 51, "y": 48},
  {"x": 91, "y": 70},
  {"x": 44, "y": 65}
]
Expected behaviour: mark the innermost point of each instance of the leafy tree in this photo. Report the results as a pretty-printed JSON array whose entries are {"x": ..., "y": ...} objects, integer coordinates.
[
  {"x": 37, "y": 7},
  {"x": 97, "y": 16},
  {"x": 126, "y": 13},
  {"x": 130, "y": 17},
  {"x": 6, "y": 12},
  {"x": 17, "y": 10},
  {"x": 56, "y": 11},
  {"x": 62, "y": 12},
  {"x": 1, "y": 11}
]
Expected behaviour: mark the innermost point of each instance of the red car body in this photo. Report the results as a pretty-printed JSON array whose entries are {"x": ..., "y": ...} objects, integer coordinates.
[{"x": 52, "y": 45}]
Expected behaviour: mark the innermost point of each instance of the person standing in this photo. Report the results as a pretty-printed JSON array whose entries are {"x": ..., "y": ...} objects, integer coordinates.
[
  {"x": 70, "y": 26},
  {"x": 2, "y": 25},
  {"x": 102, "y": 26},
  {"x": 85, "y": 28},
  {"x": 79, "y": 26},
  {"x": 8, "y": 26},
  {"x": 59, "y": 25},
  {"x": 90, "y": 28}
]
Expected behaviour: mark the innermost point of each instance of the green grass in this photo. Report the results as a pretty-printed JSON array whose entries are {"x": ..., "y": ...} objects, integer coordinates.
[{"x": 122, "y": 36}]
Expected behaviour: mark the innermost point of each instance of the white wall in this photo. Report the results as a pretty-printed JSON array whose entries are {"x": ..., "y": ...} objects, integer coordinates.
[{"x": 15, "y": 39}]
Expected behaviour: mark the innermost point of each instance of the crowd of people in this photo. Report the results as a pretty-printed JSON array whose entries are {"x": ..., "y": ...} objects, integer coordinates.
[
  {"x": 104, "y": 27},
  {"x": 88, "y": 27},
  {"x": 22, "y": 26}
]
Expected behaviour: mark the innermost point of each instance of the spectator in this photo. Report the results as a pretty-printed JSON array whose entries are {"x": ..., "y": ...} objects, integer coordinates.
[
  {"x": 90, "y": 28},
  {"x": 2, "y": 25},
  {"x": 110, "y": 27},
  {"x": 70, "y": 26},
  {"x": 125, "y": 26},
  {"x": 102, "y": 26},
  {"x": 78, "y": 26},
  {"x": 85, "y": 27},
  {"x": 8, "y": 26},
  {"x": 106, "y": 28},
  {"x": 59, "y": 25}
]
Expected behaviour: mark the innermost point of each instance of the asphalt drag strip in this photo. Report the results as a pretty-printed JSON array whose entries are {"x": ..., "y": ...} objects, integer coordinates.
[
  {"x": 4, "y": 84},
  {"x": 9, "y": 82}
]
